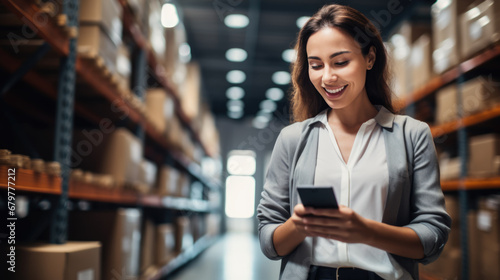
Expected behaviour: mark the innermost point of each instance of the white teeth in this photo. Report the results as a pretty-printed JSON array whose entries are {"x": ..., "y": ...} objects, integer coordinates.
[{"x": 335, "y": 90}]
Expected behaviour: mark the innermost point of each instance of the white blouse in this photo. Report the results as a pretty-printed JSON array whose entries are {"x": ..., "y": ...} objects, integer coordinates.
[{"x": 360, "y": 184}]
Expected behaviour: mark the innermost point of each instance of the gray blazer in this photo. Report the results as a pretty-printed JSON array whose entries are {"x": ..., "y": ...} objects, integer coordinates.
[{"x": 415, "y": 198}]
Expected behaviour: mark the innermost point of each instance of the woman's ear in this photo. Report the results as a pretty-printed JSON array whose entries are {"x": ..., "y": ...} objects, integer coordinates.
[{"x": 370, "y": 57}]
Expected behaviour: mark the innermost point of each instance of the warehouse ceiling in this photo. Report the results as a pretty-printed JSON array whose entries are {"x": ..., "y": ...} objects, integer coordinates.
[{"x": 272, "y": 29}]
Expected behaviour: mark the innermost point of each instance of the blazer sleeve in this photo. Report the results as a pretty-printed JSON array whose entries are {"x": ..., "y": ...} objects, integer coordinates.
[
  {"x": 274, "y": 206},
  {"x": 428, "y": 215}
]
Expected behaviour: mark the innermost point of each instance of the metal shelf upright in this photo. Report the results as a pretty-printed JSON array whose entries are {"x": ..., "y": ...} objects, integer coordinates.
[{"x": 64, "y": 126}]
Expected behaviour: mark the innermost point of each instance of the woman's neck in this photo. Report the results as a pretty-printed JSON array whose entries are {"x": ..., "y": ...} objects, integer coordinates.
[{"x": 353, "y": 115}]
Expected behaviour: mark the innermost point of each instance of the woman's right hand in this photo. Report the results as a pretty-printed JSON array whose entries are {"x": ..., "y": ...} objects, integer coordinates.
[{"x": 299, "y": 213}]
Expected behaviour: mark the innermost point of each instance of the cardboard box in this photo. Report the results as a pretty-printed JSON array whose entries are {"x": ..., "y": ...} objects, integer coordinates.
[
  {"x": 184, "y": 183},
  {"x": 183, "y": 234},
  {"x": 480, "y": 27},
  {"x": 117, "y": 153},
  {"x": 450, "y": 168},
  {"x": 160, "y": 108},
  {"x": 93, "y": 41},
  {"x": 106, "y": 13},
  {"x": 119, "y": 232},
  {"x": 70, "y": 261},
  {"x": 402, "y": 42},
  {"x": 156, "y": 31},
  {"x": 165, "y": 244},
  {"x": 445, "y": 31},
  {"x": 421, "y": 61},
  {"x": 148, "y": 245},
  {"x": 147, "y": 175},
  {"x": 190, "y": 97},
  {"x": 447, "y": 266},
  {"x": 168, "y": 178},
  {"x": 484, "y": 155},
  {"x": 446, "y": 104},
  {"x": 488, "y": 225},
  {"x": 479, "y": 94}
]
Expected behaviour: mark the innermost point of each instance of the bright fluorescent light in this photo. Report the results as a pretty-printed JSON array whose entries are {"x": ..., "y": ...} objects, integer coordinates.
[
  {"x": 281, "y": 78},
  {"x": 185, "y": 52},
  {"x": 240, "y": 196},
  {"x": 235, "y": 105},
  {"x": 236, "y": 55},
  {"x": 275, "y": 94},
  {"x": 260, "y": 122},
  {"x": 169, "y": 16},
  {"x": 235, "y": 114},
  {"x": 301, "y": 21},
  {"x": 265, "y": 115},
  {"x": 289, "y": 55},
  {"x": 236, "y": 76},
  {"x": 268, "y": 106},
  {"x": 236, "y": 21},
  {"x": 235, "y": 93}
]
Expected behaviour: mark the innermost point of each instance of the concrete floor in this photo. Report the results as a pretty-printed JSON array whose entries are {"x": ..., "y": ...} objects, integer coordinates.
[{"x": 235, "y": 256}]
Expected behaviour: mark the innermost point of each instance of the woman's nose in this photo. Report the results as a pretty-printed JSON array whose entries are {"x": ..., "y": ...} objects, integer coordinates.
[{"x": 329, "y": 75}]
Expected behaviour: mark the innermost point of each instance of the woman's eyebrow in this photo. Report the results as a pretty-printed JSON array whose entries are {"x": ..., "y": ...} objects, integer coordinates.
[{"x": 331, "y": 56}]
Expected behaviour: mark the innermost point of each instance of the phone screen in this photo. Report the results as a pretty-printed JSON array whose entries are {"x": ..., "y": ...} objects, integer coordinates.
[{"x": 318, "y": 196}]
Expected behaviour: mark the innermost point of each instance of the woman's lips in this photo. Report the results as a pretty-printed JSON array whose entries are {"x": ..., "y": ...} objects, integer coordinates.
[{"x": 333, "y": 93}]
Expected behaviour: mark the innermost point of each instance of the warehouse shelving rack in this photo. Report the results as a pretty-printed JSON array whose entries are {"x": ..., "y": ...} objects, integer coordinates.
[
  {"x": 459, "y": 126},
  {"x": 62, "y": 40}
]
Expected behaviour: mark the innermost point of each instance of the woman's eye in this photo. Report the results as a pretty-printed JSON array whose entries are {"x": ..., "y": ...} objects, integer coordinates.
[
  {"x": 342, "y": 63},
  {"x": 315, "y": 66}
]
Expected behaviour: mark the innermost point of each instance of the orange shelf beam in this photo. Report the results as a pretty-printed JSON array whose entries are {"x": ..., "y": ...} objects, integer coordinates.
[
  {"x": 452, "y": 74},
  {"x": 48, "y": 29},
  {"x": 30, "y": 181},
  {"x": 471, "y": 184},
  {"x": 440, "y": 130}
]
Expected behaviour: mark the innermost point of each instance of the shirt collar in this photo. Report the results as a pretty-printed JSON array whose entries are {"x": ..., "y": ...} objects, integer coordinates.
[{"x": 384, "y": 117}]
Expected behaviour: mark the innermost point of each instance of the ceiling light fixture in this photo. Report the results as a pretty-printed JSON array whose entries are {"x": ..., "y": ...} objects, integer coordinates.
[
  {"x": 235, "y": 93},
  {"x": 236, "y": 76},
  {"x": 301, "y": 21},
  {"x": 281, "y": 78},
  {"x": 275, "y": 94},
  {"x": 235, "y": 114},
  {"x": 268, "y": 106},
  {"x": 169, "y": 16},
  {"x": 184, "y": 53},
  {"x": 236, "y": 55},
  {"x": 260, "y": 122},
  {"x": 289, "y": 55},
  {"x": 235, "y": 105},
  {"x": 236, "y": 21}
]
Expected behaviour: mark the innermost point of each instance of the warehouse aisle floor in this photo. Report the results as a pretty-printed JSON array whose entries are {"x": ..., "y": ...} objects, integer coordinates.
[{"x": 235, "y": 256}]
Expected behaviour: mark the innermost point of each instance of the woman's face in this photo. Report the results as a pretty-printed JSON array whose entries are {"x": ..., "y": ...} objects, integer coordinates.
[{"x": 337, "y": 67}]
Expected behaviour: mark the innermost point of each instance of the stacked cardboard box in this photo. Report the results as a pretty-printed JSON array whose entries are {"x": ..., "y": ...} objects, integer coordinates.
[
  {"x": 69, "y": 261},
  {"x": 402, "y": 43},
  {"x": 446, "y": 104},
  {"x": 484, "y": 155},
  {"x": 183, "y": 234},
  {"x": 168, "y": 181},
  {"x": 117, "y": 153},
  {"x": 421, "y": 61},
  {"x": 119, "y": 232},
  {"x": 480, "y": 26},
  {"x": 446, "y": 35},
  {"x": 484, "y": 240},
  {"x": 479, "y": 94},
  {"x": 160, "y": 108},
  {"x": 448, "y": 265},
  {"x": 148, "y": 247},
  {"x": 100, "y": 30},
  {"x": 165, "y": 248}
]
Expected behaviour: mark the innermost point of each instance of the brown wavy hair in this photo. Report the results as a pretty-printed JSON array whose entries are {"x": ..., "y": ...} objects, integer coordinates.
[{"x": 306, "y": 102}]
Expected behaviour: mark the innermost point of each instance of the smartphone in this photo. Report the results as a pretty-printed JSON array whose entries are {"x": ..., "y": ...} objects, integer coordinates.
[{"x": 318, "y": 196}]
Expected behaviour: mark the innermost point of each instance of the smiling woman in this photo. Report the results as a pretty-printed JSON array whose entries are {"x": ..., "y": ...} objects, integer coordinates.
[{"x": 382, "y": 167}]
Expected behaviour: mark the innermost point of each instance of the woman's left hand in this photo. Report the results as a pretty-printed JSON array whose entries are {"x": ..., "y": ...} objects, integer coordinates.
[{"x": 341, "y": 224}]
